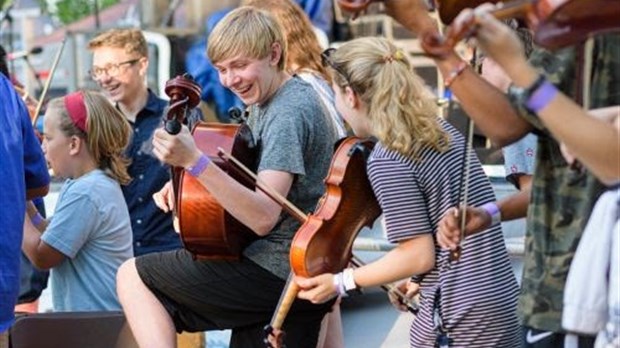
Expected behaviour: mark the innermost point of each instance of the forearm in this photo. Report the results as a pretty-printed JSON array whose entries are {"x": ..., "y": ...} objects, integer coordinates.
[
  {"x": 514, "y": 206},
  {"x": 414, "y": 256},
  {"x": 31, "y": 242},
  {"x": 486, "y": 105},
  {"x": 32, "y": 214},
  {"x": 593, "y": 141}
]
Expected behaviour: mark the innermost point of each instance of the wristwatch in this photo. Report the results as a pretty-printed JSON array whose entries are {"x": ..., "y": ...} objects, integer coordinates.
[{"x": 520, "y": 96}]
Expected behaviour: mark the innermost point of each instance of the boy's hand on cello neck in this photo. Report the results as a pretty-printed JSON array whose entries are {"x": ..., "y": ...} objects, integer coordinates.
[{"x": 176, "y": 150}]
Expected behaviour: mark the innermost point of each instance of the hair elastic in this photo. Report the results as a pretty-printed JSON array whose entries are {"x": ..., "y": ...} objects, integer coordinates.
[{"x": 76, "y": 108}]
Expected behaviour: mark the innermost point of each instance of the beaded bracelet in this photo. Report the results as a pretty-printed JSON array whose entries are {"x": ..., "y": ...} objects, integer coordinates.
[
  {"x": 199, "y": 166},
  {"x": 454, "y": 74}
]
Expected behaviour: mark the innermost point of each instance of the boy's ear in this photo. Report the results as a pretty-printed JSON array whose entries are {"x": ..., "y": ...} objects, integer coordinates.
[{"x": 276, "y": 53}]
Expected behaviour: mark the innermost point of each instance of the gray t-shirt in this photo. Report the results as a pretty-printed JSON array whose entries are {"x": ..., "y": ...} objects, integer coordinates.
[
  {"x": 295, "y": 135},
  {"x": 91, "y": 228}
]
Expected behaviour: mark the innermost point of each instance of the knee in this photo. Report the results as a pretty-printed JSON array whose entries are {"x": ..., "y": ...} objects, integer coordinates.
[{"x": 126, "y": 278}]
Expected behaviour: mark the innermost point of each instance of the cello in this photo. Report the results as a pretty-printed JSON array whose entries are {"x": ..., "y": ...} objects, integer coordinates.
[{"x": 207, "y": 230}]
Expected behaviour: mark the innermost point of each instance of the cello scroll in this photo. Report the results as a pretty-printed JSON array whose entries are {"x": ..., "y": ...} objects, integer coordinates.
[{"x": 184, "y": 95}]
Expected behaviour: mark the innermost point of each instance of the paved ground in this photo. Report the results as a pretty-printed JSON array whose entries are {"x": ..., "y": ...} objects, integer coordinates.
[{"x": 369, "y": 320}]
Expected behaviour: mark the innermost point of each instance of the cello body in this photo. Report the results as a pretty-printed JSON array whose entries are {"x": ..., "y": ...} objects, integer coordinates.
[{"x": 207, "y": 230}]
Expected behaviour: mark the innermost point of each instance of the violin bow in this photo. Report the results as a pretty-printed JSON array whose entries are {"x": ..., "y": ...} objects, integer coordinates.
[
  {"x": 48, "y": 82},
  {"x": 455, "y": 255},
  {"x": 461, "y": 213}
]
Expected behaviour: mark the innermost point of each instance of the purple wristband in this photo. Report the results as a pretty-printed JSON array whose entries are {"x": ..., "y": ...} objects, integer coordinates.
[
  {"x": 541, "y": 97},
  {"x": 199, "y": 166},
  {"x": 36, "y": 219},
  {"x": 493, "y": 210}
]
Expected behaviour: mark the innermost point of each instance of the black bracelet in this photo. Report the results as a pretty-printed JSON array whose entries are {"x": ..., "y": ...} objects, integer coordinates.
[
  {"x": 520, "y": 96},
  {"x": 534, "y": 86}
]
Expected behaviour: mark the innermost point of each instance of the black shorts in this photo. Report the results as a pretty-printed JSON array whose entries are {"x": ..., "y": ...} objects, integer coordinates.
[{"x": 203, "y": 295}]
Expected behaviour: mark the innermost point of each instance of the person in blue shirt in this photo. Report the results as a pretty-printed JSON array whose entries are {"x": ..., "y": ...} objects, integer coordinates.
[
  {"x": 23, "y": 175},
  {"x": 120, "y": 62}
]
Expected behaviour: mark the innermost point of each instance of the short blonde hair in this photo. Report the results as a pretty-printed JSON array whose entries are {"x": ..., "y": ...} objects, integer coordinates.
[
  {"x": 246, "y": 31},
  {"x": 130, "y": 39},
  {"x": 108, "y": 133}
]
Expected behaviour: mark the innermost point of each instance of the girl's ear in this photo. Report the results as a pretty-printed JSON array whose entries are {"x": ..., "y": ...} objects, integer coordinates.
[
  {"x": 75, "y": 145},
  {"x": 351, "y": 98}
]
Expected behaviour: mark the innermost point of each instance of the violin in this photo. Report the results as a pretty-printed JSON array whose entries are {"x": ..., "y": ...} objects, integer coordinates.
[
  {"x": 324, "y": 241},
  {"x": 554, "y": 23},
  {"x": 207, "y": 230}
]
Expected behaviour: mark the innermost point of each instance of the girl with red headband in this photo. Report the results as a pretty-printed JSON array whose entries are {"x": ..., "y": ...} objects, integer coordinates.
[{"x": 89, "y": 235}]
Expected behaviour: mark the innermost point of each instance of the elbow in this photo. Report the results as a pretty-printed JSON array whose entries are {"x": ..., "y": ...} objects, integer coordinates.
[
  {"x": 41, "y": 263},
  {"x": 427, "y": 263},
  {"x": 265, "y": 225},
  {"x": 609, "y": 180},
  {"x": 506, "y": 138}
]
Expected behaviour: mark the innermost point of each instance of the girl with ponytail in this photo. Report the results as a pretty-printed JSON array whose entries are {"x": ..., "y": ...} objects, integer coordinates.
[{"x": 416, "y": 170}]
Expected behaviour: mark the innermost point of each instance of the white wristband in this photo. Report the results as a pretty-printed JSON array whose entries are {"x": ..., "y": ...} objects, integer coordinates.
[
  {"x": 348, "y": 279},
  {"x": 339, "y": 284}
]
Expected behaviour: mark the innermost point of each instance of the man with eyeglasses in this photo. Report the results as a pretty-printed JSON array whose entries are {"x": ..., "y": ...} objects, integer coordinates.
[{"x": 120, "y": 62}]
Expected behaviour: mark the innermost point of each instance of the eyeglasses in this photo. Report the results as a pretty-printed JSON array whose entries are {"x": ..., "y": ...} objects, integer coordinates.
[
  {"x": 111, "y": 70},
  {"x": 327, "y": 61}
]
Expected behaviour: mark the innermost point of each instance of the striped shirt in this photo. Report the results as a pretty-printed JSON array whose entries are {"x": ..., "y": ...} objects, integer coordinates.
[{"x": 478, "y": 293}]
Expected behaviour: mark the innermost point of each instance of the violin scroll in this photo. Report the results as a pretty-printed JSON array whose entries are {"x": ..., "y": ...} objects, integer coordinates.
[{"x": 184, "y": 95}]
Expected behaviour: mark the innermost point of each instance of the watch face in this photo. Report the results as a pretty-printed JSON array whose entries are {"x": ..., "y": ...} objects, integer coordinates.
[{"x": 516, "y": 95}]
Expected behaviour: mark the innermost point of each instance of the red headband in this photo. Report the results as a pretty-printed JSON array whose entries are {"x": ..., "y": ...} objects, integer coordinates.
[{"x": 76, "y": 108}]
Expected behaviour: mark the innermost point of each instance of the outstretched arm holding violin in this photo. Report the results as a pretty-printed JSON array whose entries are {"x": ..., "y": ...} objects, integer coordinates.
[
  {"x": 590, "y": 139},
  {"x": 413, "y": 256},
  {"x": 487, "y": 106}
]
